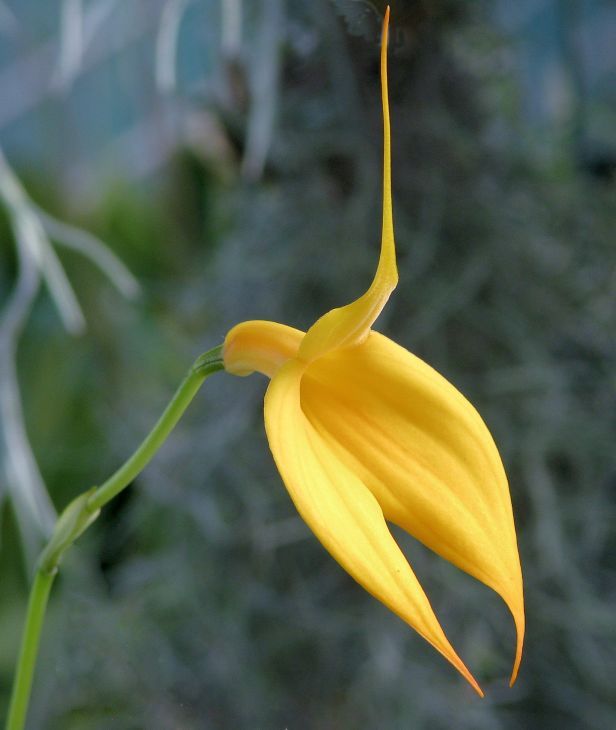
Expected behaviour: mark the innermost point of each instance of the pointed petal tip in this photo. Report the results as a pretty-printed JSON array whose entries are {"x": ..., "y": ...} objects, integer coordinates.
[
  {"x": 515, "y": 604},
  {"x": 518, "y": 652},
  {"x": 444, "y": 648},
  {"x": 465, "y": 672},
  {"x": 472, "y": 681},
  {"x": 384, "y": 35}
]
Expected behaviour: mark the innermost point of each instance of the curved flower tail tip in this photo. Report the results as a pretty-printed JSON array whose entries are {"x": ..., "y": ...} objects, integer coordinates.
[
  {"x": 349, "y": 325},
  {"x": 340, "y": 509},
  {"x": 387, "y": 271},
  {"x": 518, "y": 617}
]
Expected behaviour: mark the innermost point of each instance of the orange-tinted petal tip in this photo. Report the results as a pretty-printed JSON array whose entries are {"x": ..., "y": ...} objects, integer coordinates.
[{"x": 519, "y": 623}]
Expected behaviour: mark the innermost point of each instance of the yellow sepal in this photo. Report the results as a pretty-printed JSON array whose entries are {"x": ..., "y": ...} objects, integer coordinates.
[
  {"x": 343, "y": 513},
  {"x": 349, "y": 325},
  {"x": 425, "y": 454}
]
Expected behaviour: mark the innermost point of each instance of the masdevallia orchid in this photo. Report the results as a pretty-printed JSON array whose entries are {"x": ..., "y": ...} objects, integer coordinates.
[{"x": 363, "y": 432}]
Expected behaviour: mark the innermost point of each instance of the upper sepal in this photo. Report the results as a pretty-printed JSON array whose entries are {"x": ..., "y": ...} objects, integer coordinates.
[{"x": 349, "y": 325}]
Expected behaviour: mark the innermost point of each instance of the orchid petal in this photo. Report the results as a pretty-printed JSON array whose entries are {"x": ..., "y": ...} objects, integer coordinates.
[
  {"x": 426, "y": 455},
  {"x": 342, "y": 512},
  {"x": 349, "y": 325}
]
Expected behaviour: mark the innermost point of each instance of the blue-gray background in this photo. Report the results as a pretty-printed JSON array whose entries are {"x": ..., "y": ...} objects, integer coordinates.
[{"x": 229, "y": 152}]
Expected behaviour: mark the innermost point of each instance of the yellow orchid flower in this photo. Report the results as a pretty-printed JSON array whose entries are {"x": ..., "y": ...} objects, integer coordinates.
[{"x": 364, "y": 432}]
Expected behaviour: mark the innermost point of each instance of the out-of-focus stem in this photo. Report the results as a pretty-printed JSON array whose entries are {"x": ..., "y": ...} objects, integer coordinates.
[
  {"x": 29, "y": 649},
  {"x": 80, "y": 514}
]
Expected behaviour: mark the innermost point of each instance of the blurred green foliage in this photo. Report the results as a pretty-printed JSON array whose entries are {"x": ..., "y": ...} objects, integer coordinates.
[{"x": 199, "y": 599}]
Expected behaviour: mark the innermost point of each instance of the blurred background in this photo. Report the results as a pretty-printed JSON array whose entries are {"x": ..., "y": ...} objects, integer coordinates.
[{"x": 171, "y": 167}]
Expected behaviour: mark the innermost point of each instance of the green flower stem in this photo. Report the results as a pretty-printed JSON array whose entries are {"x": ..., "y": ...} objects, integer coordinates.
[
  {"x": 208, "y": 363},
  {"x": 37, "y": 604},
  {"x": 80, "y": 514}
]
